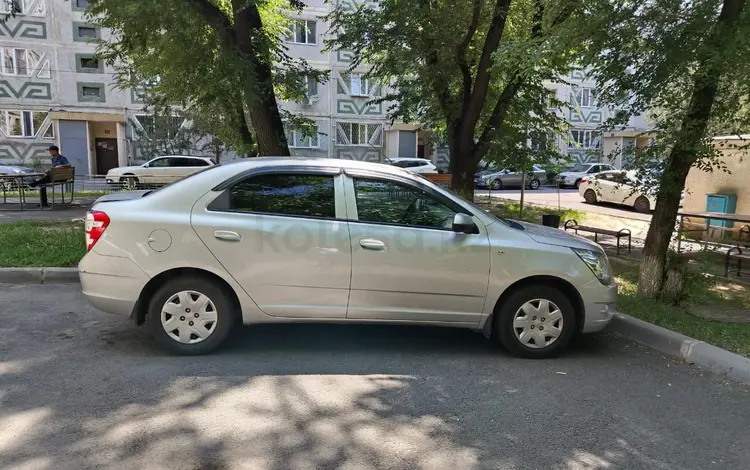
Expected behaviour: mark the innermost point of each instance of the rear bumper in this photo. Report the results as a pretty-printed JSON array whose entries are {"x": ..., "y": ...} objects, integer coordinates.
[
  {"x": 599, "y": 309},
  {"x": 111, "y": 284}
]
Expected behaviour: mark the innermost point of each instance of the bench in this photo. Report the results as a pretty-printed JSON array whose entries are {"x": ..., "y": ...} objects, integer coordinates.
[
  {"x": 737, "y": 254},
  {"x": 65, "y": 179},
  {"x": 572, "y": 224}
]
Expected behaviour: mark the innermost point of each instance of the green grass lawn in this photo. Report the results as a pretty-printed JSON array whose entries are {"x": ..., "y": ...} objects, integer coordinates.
[
  {"x": 41, "y": 244},
  {"x": 712, "y": 292}
]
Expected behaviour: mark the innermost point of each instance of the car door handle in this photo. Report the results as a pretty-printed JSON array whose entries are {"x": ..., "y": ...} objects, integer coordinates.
[
  {"x": 227, "y": 235},
  {"x": 372, "y": 244}
]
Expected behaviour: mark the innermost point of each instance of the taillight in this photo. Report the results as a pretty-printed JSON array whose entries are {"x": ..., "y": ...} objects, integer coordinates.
[
  {"x": 96, "y": 224},
  {"x": 583, "y": 180}
]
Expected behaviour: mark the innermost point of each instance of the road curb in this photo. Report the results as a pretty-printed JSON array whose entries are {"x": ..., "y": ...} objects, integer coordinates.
[
  {"x": 690, "y": 350},
  {"x": 39, "y": 276}
]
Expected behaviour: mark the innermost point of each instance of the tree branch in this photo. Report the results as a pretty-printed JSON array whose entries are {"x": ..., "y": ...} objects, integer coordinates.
[
  {"x": 482, "y": 80},
  {"x": 461, "y": 49},
  {"x": 499, "y": 112},
  {"x": 216, "y": 19}
]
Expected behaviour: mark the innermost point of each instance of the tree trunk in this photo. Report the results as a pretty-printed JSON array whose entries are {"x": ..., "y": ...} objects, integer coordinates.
[
  {"x": 683, "y": 155},
  {"x": 463, "y": 167}
]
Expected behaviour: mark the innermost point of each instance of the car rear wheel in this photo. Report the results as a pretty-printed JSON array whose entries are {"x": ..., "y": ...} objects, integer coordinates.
[
  {"x": 496, "y": 184},
  {"x": 191, "y": 315},
  {"x": 534, "y": 184},
  {"x": 535, "y": 322},
  {"x": 590, "y": 196},
  {"x": 642, "y": 205},
  {"x": 129, "y": 181}
]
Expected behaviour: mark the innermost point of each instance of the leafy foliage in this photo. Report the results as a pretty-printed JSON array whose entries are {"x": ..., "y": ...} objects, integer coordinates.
[
  {"x": 688, "y": 63},
  {"x": 222, "y": 62},
  {"x": 472, "y": 71}
]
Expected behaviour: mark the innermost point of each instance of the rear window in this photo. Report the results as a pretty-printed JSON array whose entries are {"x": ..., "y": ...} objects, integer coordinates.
[{"x": 191, "y": 175}]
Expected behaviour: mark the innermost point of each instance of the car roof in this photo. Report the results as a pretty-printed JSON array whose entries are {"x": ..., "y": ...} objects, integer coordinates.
[
  {"x": 260, "y": 162},
  {"x": 403, "y": 159}
]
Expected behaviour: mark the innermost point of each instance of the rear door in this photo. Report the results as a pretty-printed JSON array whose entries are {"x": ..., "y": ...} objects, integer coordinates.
[
  {"x": 283, "y": 237},
  {"x": 184, "y": 166}
]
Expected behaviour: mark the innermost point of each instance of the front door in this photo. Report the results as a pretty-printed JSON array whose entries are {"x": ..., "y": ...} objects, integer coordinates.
[
  {"x": 283, "y": 238},
  {"x": 106, "y": 155},
  {"x": 407, "y": 263}
]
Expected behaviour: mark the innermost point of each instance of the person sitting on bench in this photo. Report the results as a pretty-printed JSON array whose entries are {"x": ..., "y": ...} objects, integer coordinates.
[{"x": 58, "y": 161}]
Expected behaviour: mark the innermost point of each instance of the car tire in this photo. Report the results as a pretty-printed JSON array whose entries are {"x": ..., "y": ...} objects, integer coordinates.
[
  {"x": 510, "y": 319},
  {"x": 590, "y": 196},
  {"x": 577, "y": 183},
  {"x": 188, "y": 290},
  {"x": 129, "y": 182},
  {"x": 642, "y": 205},
  {"x": 496, "y": 185},
  {"x": 534, "y": 184}
]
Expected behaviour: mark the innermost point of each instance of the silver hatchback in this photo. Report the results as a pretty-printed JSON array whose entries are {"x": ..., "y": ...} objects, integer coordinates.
[{"x": 316, "y": 240}]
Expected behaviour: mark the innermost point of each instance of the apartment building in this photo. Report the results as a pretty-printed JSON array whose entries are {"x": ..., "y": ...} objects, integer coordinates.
[
  {"x": 54, "y": 91},
  {"x": 585, "y": 142}
]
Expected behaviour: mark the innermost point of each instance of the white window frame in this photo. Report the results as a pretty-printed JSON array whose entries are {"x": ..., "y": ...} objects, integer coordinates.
[
  {"x": 5, "y": 6},
  {"x": 585, "y": 139},
  {"x": 153, "y": 123},
  {"x": 298, "y": 140},
  {"x": 4, "y": 69},
  {"x": 583, "y": 97},
  {"x": 298, "y": 25},
  {"x": 27, "y": 131},
  {"x": 372, "y": 132},
  {"x": 364, "y": 87}
]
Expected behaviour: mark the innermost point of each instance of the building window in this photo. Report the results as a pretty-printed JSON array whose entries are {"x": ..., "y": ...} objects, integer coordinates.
[
  {"x": 311, "y": 87},
  {"x": 84, "y": 32},
  {"x": 550, "y": 98},
  {"x": 91, "y": 92},
  {"x": 19, "y": 62},
  {"x": 298, "y": 139},
  {"x": 13, "y": 6},
  {"x": 359, "y": 134},
  {"x": 87, "y": 63},
  {"x": 580, "y": 139},
  {"x": 82, "y": 3},
  {"x": 302, "y": 32},
  {"x": 166, "y": 127},
  {"x": 359, "y": 86},
  {"x": 583, "y": 97},
  {"x": 23, "y": 123}
]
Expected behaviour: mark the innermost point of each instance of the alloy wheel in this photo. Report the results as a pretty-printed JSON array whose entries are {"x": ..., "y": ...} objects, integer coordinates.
[
  {"x": 538, "y": 323},
  {"x": 189, "y": 317}
]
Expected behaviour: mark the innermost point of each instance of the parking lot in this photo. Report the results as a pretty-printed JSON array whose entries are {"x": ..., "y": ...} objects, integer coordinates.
[
  {"x": 569, "y": 199},
  {"x": 83, "y": 389}
]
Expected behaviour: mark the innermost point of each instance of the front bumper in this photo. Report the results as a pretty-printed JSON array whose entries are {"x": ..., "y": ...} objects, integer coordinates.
[
  {"x": 599, "y": 307},
  {"x": 111, "y": 284}
]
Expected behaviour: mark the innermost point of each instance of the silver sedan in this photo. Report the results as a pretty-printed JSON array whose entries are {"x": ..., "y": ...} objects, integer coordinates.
[{"x": 316, "y": 240}]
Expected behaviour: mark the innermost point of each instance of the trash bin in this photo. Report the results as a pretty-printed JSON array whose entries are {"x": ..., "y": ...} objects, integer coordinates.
[{"x": 551, "y": 220}]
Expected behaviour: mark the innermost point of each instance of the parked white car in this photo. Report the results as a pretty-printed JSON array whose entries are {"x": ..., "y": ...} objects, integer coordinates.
[
  {"x": 617, "y": 187},
  {"x": 160, "y": 170},
  {"x": 415, "y": 165},
  {"x": 573, "y": 176}
]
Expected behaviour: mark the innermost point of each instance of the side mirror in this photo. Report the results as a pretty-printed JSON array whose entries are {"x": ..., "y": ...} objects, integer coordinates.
[
  {"x": 463, "y": 223},
  {"x": 145, "y": 165}
]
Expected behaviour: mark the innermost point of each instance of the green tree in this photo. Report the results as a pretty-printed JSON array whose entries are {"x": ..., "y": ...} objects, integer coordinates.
[
  {"x": 689, "y": 63},
  {"x": 221, "y": 58},
  {"x": 473, "y": 70}
]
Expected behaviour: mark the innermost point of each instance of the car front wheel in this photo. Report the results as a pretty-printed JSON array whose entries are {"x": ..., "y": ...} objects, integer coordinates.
[
  {"x": 535, "y": 322},
  {"x": 191, "y": 315}
]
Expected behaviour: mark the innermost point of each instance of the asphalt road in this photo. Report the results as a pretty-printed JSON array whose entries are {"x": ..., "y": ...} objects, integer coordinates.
[
  {"x": 82, "y": 389},
  {"x": 569, "y": 199}
]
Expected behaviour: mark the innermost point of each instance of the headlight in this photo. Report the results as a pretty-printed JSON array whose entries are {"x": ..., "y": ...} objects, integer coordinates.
[{"x": 598, "y": 263}]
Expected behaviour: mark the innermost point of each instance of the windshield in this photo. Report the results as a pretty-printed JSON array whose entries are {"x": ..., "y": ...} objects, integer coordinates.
[{"x": 580, "y": 168}]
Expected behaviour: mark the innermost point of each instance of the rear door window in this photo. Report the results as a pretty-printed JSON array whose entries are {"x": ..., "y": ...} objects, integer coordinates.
[{"x": 301, "y": 195}]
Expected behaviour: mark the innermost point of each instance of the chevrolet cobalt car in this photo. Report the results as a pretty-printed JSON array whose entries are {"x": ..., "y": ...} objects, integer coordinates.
[{"x": 317, "y": 240}]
